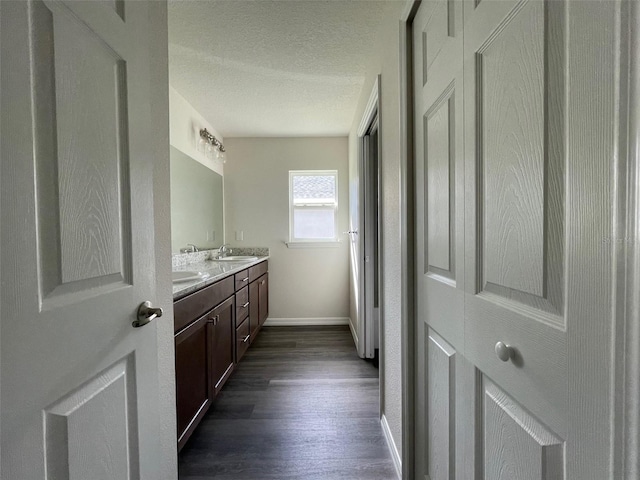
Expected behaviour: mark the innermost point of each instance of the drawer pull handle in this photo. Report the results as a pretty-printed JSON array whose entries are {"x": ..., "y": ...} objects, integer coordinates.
[
  {"x": 214, "y": 320},
  {"x": 246, "y": 279},
  {"x": 246, "y": 339},
  {"x": 504, "y": 352},
  {"x": 262, "y": 282},
  {"x": 245, "y": 305}
]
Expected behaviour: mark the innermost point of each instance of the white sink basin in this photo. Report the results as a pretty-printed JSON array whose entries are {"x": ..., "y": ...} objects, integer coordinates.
[
  {"x": 186, "y": 276},
  {"x": 236, "y": 258}
]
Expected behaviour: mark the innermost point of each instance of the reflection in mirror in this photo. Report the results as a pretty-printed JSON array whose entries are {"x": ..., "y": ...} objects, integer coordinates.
[{"x": 196, "y": 204}]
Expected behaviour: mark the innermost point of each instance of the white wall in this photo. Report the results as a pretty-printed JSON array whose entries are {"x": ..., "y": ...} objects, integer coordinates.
[
  {"x": 185, "y": 124},
  {"x": 304, "y": 283},
  {"x": 387, "y": 64}
]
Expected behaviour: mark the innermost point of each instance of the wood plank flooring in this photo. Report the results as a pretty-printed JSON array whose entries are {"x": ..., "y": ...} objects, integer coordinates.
[{"x": 300, "y": 405}]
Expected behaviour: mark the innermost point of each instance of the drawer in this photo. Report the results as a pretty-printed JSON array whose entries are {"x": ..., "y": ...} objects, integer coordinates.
[
  {"x": 242, "y": 340},
  {"x": 241, "y": 279},
  {"x": 257, "y": 271},
  {"x": 189, "y": 308},
  {"x": 242, "y": 305}
]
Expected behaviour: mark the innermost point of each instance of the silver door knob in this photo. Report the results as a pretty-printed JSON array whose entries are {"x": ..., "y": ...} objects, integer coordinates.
[
  {"x": 504, "y": 352},
  {"x": 146, "y": 313}
]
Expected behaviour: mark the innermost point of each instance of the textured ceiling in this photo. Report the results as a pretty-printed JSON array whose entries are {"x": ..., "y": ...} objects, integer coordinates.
[{"x": 274, "y": 67}]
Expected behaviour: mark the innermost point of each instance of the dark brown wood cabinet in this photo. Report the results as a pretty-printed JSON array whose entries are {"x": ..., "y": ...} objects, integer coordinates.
[
  {"x": 258, "y": 303},
  {"x": 222, "y": 333},
  {"x": 194, "y": 381},
  {"x": 254, "y": 308},
  {"x": 213, "y": 329},
  {"x": 263, "y": 298}
]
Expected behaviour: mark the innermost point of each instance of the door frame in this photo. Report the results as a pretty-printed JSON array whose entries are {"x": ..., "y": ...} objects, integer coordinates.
[
  {"x": 371, "y": 111},
  {"x": 627, "y": 331},
  {"x": 407, "y": 239},
  {"x": 626, "y": 461}
]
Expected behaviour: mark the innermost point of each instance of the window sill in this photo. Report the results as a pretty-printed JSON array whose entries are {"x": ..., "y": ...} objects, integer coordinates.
[{"x": 329, "y": 244}]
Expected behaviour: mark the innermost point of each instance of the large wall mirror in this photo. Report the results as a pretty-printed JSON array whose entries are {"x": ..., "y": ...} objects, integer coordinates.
[{"x": 196, "y": 204}]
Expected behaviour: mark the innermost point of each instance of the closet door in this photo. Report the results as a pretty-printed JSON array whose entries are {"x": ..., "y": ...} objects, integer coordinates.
[
  {"x": 439, "y": 90},
  {"x": 515, "y": 323},
  {"x": 514, "y": 357}
]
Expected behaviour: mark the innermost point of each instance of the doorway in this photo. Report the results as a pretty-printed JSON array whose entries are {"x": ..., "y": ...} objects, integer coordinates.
[{"x": 368, "y": 243}]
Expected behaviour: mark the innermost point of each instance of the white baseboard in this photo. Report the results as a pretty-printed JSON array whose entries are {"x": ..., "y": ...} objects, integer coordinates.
[
  {"x": 301, "y": 322},
  {"x": 395, "y": 455}
]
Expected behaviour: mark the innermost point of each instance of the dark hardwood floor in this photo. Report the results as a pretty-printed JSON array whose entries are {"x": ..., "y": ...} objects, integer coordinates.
[{"x": 300, "y": 405}]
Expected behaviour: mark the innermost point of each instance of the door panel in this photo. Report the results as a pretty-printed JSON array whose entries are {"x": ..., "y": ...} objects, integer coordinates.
[
  {"x": 440, "y": 168},
  {"x": 440, "y": 278},
  {"x": 93, "y": 423},
  {"x": 516, "y": 445},
  {"x": 440, "y": 395},
  {"x": 222, "y": 351},
  {"x": 514, "y": 135},
  {"x": 77, "y": 175},
  {"x": 194, "y": 387}
]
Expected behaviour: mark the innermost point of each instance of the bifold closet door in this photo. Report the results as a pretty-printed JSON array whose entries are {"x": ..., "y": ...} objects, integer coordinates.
[{"x": 514, "y": 162}]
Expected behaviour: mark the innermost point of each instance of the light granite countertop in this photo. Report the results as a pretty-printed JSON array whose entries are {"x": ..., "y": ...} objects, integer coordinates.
[{"x": 216, "y": 270}]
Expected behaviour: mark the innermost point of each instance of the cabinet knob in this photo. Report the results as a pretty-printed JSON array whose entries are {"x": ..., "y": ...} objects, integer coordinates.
[
  {"x": 504, "y": 352},
  {"x": 145, "y": 314}
]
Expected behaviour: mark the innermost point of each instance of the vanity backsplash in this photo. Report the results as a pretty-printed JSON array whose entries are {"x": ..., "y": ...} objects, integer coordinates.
[{"x": 181, "y": 259}]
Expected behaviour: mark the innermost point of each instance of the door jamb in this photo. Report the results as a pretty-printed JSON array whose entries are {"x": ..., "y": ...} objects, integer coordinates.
[
  {"x": 627, "y": 422},
  {"x": 372, "y": 109},
  {"x": 407, "y": 238}
]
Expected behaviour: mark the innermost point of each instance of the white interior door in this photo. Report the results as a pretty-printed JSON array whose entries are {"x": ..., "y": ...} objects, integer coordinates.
[
  {"x": 514, "y": 162},
  {"x": 80, "y": 390}
]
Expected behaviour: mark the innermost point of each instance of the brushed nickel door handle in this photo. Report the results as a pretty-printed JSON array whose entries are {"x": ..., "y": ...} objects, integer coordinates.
[
  {"x": 245, "y": 305},
  {"x": 246, "y": 339},
  {"x": 146, "y": 313},
  {"x": 504, "y": 352}
]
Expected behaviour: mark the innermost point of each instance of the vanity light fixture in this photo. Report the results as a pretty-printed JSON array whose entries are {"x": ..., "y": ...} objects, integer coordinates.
[{"x": 212, "y": 145}]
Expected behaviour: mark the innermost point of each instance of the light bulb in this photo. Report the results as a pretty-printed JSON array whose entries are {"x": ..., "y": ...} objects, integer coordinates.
[
  {"x": 209, "y": 151},
  {"x": 200, "y": 145}
]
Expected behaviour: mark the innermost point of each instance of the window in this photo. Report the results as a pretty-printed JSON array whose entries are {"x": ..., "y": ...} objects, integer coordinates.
[{"x": 313, "y": 205}]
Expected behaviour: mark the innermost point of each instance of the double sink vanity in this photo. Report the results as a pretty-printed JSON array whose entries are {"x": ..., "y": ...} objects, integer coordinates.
[{"x": 219, "y": 307}]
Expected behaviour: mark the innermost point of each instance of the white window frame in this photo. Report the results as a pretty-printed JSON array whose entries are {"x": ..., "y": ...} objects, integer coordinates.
[{"x": 295, "y": 242}]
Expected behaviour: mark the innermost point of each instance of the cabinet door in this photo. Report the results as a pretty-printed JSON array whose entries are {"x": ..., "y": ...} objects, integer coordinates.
[
  {"x": 263, "y": 297},
  {"x": 194, "y": 388},
  {"x": 254, "y": 308},
  {"x": 223, "y": 343}
]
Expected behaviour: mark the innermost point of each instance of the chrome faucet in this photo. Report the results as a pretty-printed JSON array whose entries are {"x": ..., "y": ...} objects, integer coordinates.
[
  {"x": 223, "y": 250},
  {"x": 190, "y": 248}
]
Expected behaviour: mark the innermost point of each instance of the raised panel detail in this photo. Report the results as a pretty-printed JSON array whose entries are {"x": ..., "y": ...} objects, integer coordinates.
[
  {"x": 81, "y": 143},
  {"x": 440, "y": 408},
  {"x": 118, "y": 7},
  {"x": 440, "y": 183},
  {"x": 91, "y": 433},
  {"x": 513, "y": 141},
  {"x": 516, "y": 445},
  {"x": 439, "y": 27},
  {"x": 520, "y": 88}
]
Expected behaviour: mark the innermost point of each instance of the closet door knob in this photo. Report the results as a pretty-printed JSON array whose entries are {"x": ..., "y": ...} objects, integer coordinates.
[{"x": 504, "y": 352}]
